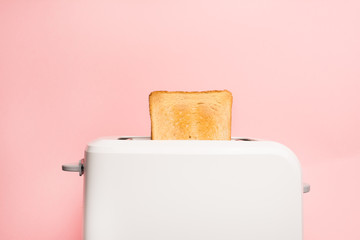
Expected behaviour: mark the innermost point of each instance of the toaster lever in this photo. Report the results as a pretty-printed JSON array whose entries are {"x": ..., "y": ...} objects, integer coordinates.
[
  {"x": 306, "y": 187},
  {"x": 74, "y": 167}
]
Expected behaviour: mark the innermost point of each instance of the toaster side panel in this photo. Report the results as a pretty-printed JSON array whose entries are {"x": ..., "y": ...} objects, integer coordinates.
[{"x": 192, "y": 196}]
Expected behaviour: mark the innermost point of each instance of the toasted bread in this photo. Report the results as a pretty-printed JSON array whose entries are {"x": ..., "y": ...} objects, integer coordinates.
[{"x": 190, "y": 115}]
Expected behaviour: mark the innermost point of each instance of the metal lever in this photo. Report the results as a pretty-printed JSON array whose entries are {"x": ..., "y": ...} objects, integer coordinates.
[
  {"x": 74, "y": 167},
  {"x": 306, "y": 187}
]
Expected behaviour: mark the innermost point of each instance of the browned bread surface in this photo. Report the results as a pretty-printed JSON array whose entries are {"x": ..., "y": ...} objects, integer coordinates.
[{"x": 190, "y": 115}]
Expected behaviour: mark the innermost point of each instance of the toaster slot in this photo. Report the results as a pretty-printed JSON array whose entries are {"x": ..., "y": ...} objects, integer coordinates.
[
  {"x": 125, "y": 138},
  {"x": 244, "y": 139},
  {"x": 148, "y": 138}
]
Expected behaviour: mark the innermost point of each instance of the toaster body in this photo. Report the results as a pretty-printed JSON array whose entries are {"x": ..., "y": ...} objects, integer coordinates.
[{"x": 136, "y": 189}]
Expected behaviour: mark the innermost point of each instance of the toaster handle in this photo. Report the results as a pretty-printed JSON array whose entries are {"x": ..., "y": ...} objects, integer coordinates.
[
  {"x": 74, "y": 167},
  {"x": 306, "y": 187}
]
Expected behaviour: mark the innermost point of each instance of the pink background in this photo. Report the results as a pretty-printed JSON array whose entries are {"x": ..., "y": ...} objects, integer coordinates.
[{"x": 72, "y": 71}]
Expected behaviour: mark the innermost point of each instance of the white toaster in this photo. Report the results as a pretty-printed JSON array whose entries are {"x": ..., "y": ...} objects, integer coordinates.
[{"x": 141, "y": 189}]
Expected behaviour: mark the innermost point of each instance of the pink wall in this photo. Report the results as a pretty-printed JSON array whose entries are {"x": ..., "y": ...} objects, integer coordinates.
[{"x": 72, "y": 71}]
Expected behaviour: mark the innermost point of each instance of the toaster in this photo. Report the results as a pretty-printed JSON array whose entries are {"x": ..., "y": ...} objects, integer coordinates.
[{"x": 136, "y": 188}]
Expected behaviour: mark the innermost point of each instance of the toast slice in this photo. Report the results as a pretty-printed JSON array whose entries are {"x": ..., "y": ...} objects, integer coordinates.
[{"x": 190, "y": 115}]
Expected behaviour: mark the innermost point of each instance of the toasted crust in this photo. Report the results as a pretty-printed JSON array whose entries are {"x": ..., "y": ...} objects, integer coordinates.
[{"x": 183, "y": 115}]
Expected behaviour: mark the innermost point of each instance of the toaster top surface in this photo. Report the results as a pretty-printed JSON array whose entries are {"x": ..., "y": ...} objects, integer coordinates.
[{"x": 144, "y": 145}]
